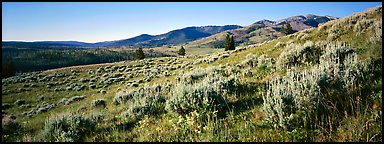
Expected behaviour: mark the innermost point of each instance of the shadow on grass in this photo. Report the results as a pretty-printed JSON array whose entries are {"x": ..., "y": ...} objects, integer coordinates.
[
  {"x": 248, "y": 98},
  {"x": 245, "y": 104}
]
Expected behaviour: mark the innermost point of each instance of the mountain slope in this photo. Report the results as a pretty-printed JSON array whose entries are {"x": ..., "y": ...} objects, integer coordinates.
[
  {"x": 171, "y": 38},
  {"x": 261, "y": 31}
]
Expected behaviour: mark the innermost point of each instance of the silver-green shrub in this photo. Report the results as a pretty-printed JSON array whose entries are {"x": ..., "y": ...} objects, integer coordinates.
[
  {"x": 209, "y": 92},
  {"x": 303, "y": 96},
  {"x": 298, "y": 54},
  {"x": 67, "y": 128},
  {"x": 138, "y": 107}
]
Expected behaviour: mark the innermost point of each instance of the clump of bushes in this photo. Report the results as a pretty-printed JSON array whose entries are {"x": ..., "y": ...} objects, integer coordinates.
[
  {"x": 208, "y": 93},
  {"x": 6, "y": 106},
  {"x": 123, "y": 96},
  {"x": 102, "y": 91},
  {"x": 199, "y": 74},
  {"x": 71, "y": 100},
  {"x": 319, "y": 95},
  {"x": 148, "y": 100},
  {"x": 44, "y": 107},
  {"x": 295, "y": 54},
  {"x": 251, "y": 61},
  {"x": 186, "y": 99},
  {"x": 279, "y": 44},
  {"x": 20, "y": 102},
  {"x": 138, "y": 107},
  {"x": 67, "y": 128},
  {"x": 302, "y": 36},
  {"x": 25, "y": 106},
  {"x": 99, "y": 102},
  {"x": 9, "y": 127}
]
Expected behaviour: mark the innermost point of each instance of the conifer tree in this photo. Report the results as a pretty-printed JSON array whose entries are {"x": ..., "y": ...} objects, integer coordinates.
[
  {"x": 289, "y": 29},
  {"x": 282, "y": 29},
  {"x": 181, "y": 51},
  {"x": 232, "y": 44},
  {"x": 139, "y": 54},
  {"x": 227, "y": 43}
]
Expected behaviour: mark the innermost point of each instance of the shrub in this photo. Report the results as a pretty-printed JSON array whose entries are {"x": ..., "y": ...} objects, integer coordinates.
[
  {"x": 92, "y": 86},
  {"x": 332, "y": 36},
  {"x": 20, "y": 102},
  {"x": 223, "y": 56},
  {"x": 76, "y": 98},
  {"x": 6, "y": 106},
  {"x": 70, "y": 100},
  {"x": 138, "y": 107},
  {"x": 264, "y": 59},
  {"x": 44, "y": 107},
  {"x": 62, "y": 101},
  {"x": 279, "y": 44},
  {"x": 102, "y": 91},
  {"x": 302, "y": 36},
  {"x": 10, "y": 126},
  {"x": 376, "y": 29},
  {"x": 123, "y": 96},
  {"x": 250, "y": 61},
  {"x": 134, "y": 84},
  {"x": 67, "y": 128},
  {"x": 296, "y": 54},
  {"x": 25, "y": 106},
  {"x": 318, "y": 95},
  {"x": 247, "y": 73},
  {"x": 208, "y": 93},
  {"x": 99, "y": 102},
  {"x": 198, "y": 74}
]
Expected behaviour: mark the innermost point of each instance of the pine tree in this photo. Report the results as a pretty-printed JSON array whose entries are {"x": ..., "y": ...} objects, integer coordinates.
[
  {"x": 232, "y": 44},
  {"x": 139, "y": 54},
  {"x": 282, "y": 29},
  {"x": 181, "y": 51},
  {"x": 227, "y": 43},
  {"x": 289, "y": 28},
  {"x": 8, "y": 70}
]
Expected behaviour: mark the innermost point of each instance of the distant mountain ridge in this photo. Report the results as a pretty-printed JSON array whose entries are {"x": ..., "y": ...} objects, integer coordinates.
[
  {"x": 173, "y": 37},
  {"x": 145, "y": 40},
  {"x": 261, "y": 31},
  {"x": 298, "y": 22},
  {"x": 191, "y": 34}
]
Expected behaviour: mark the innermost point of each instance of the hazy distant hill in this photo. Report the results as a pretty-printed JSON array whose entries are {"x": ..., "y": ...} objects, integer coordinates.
[{"x": 42, "y": 44}]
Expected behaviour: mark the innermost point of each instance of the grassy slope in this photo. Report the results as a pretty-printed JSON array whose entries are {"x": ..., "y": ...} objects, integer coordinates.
[
  {"x": 244, "y": 125},
  {"x": 252, "y": 34}
]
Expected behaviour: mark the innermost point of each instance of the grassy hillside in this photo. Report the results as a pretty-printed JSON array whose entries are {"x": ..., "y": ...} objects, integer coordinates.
[
  {"x": 321, "y": 84},
  {"x": 253, "y": 34},
  {"x": 259, "y": 32},
  {"x": 29, "y": 59}
]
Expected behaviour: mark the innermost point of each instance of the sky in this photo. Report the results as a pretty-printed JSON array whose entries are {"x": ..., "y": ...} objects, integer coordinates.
[{"x": 108, "y": 21}]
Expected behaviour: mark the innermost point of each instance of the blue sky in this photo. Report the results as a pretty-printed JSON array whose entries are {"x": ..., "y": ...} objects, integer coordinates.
[{"x": 101, "y": 21}]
